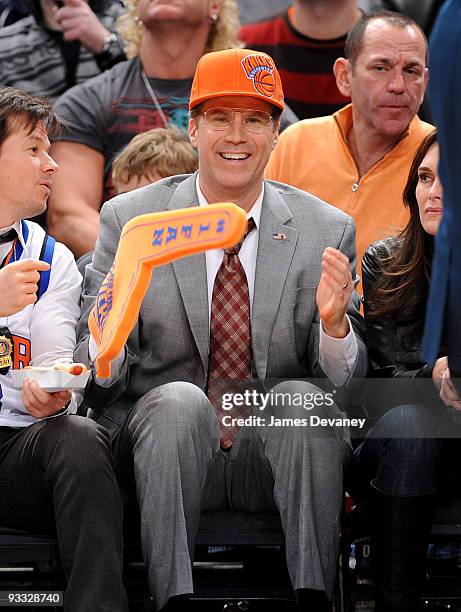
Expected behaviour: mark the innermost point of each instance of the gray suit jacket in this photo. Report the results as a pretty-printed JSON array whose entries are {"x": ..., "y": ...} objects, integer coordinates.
[{"x": 170, "y": 341}]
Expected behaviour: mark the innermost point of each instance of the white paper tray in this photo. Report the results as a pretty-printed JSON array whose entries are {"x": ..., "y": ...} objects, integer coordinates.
[{"x": 50, "y": 380}]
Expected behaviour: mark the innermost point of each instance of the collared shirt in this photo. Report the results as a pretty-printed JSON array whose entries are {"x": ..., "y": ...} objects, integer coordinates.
[
  {"x": 5, "y": 247},
  {"x": 247, "y": 253},
  {"x": 43, "y": 333}
]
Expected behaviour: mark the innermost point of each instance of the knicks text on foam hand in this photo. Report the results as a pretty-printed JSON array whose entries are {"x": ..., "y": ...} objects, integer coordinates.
[{"x": 147, "y": 241}]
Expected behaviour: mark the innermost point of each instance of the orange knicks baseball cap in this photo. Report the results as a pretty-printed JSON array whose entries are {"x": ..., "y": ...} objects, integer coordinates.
[{"x": 237, "y": 72}]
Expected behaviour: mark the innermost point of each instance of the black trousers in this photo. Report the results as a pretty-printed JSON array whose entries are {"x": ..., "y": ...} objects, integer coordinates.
[{"x": 58, "y": 474}]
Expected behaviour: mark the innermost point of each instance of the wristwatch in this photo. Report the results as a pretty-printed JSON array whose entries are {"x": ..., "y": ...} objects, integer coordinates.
[{"x": 111, "y": 52}]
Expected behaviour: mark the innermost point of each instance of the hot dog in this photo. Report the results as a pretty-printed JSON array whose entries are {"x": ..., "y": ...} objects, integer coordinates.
[
  {"x": 76, "y": 369},
  {"x": 71, "y": 368}
]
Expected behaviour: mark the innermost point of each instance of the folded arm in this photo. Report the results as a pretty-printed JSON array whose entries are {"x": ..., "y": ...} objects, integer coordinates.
[{"x": 73, "y": 208}]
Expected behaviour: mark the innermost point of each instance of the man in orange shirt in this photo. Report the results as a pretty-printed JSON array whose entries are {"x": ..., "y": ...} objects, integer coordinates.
[{"x": 358, "y": 159}]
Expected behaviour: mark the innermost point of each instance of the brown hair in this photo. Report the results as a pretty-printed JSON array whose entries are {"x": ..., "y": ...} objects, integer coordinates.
[
  {"x": 18, "y": 110},
  {"x": 401, "y": 290},
  {"x": 356, "y": 34},
  {"x": 167, "y": 151}
]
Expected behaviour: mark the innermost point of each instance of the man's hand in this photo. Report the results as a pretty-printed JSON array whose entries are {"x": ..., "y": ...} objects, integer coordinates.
[
  {"x": 448, "y": 392},
  {"x": 40, "y": 403},
  {"x": 79, "y": 22},
  {"x": 333, "y": 293},
  {"x": 19, "y": 284}
]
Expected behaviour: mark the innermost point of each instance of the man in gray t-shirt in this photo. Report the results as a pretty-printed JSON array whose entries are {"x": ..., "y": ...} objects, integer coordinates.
[{"x": 107, "y": 111}]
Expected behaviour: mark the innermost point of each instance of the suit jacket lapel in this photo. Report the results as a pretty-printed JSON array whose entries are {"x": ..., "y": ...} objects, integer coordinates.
[
  {"x": 272, "y": 264},
  {"x": 191, "y": 276}
]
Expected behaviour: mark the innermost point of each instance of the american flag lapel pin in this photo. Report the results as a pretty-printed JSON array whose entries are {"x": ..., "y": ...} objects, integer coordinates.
[{"x": 279, "y": 236}]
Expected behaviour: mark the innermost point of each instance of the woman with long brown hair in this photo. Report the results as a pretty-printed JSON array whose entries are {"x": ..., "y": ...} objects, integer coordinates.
[{"x": 400, "y": 461}]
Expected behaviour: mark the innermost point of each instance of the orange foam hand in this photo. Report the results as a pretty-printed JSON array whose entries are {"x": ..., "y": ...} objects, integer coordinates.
[{"x": 148, "y": 241}]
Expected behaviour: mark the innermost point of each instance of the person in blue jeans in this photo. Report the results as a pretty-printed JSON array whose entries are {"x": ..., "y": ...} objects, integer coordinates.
[{"x": 404, "y": 455}]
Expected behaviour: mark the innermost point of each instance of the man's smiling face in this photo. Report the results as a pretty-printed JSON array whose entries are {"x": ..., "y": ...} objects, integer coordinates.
[{"x": 232, "y": 161}]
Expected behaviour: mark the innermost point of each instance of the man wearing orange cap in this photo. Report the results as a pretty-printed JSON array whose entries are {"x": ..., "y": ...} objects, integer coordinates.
[{"x": 280, "y": 305}]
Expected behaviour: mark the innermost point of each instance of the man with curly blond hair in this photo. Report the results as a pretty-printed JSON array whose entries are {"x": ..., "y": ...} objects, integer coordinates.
[{"x": 164, "y": 42}]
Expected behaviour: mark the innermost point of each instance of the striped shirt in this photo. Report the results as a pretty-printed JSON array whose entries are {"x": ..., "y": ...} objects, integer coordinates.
[
  {"x": 305, "y": 64},
  {"x": 31, "y": 59}
]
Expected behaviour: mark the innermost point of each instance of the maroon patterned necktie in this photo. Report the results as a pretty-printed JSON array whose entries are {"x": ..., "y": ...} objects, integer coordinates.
[{"x": 230, "y": 336}]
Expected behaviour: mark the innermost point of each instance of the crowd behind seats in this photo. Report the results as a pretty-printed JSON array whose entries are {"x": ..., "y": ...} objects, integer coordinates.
[
  {"x": 149, "y": 90},
  {"x": 53, "y": 49},
  {"x": 306, "y": 38}
]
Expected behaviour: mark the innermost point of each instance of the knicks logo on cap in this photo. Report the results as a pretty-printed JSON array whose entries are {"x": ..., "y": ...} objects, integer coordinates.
[{"x": 259, "y": 69}]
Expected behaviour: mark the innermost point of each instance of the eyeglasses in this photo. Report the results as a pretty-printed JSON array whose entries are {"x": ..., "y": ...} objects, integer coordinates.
[{"x": 222, "y": 118}]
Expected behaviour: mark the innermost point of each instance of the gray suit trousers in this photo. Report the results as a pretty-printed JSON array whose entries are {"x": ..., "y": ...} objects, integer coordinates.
[{"x": 180, "y": 470}]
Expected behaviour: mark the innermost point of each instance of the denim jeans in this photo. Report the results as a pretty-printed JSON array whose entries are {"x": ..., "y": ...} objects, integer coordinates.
[{"x": 402, "y": 455}]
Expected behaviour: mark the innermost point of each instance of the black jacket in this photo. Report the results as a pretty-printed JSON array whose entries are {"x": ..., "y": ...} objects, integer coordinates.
[{"x": 394, "y": 347}]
